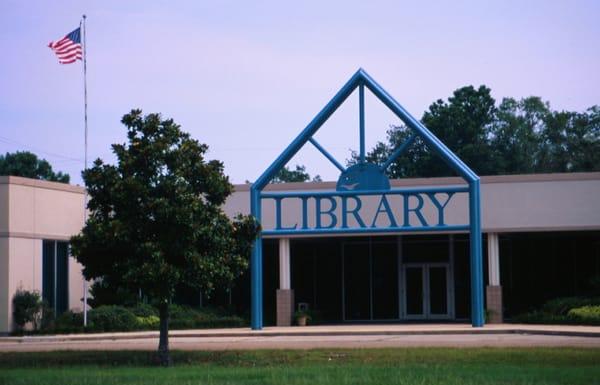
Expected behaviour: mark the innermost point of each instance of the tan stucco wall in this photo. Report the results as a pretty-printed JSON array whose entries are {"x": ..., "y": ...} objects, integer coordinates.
[
  {"x": 510, "y": 203},
  {"x": 30, "y": 211},
  {"x": 4, "y": 284},
  {"x": 3, "y": 208},
  {"x": 44, "y": 212},
  {"x": 25, "y": 268}
]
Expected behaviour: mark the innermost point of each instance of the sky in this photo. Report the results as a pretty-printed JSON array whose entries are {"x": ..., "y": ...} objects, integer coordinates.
[{"x": 247, "y": 77}]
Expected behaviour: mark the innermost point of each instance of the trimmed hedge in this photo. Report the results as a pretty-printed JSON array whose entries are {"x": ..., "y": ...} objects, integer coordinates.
[
  {"x": 67, "y": 322},
  {"x": 144, "y": 310},
  {"x": 562, "y": 306},
  {"x": 148, "y": 323},
  {"x": 586, "y": 314},
  {"x": 565, "y": 310},
  {"x": 112, "y": 318},
  {"x": 184, "y": 317}
]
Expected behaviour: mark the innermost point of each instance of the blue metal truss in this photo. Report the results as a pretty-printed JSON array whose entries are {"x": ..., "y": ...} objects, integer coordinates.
[{"x": 361, "y": 80}]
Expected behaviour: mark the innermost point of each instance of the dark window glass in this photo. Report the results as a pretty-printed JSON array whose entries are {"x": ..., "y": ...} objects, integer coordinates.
[
  {"x": 414, "y": 290},
  {"x": 385, "y": 280},
  {"x": 62, "y": 277},
  {"x": 48, "y": 272},
  {"x": 357, "y": 281},
  {"x": 423, "y": 252},
  {"x": 438, "y": 300},
  {"x": 55, "y": 275}
]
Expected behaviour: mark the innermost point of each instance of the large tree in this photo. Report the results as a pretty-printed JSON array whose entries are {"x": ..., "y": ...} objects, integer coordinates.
[
  {"x": 28, "y": 165},
  {"x": 155, "y": 218},
  {"x": 516, "y": 132},
  {"x": 516, "y": 137},
  {"x": 462, "y": 123},
  {"x": 299, "y": 174}
]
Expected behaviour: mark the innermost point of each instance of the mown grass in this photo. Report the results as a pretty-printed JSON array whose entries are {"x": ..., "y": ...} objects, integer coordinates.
[{"x": 319, "y": 366}]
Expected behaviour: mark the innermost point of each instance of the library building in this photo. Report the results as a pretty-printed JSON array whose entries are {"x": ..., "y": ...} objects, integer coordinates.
[{"x": 361, "y": 249}]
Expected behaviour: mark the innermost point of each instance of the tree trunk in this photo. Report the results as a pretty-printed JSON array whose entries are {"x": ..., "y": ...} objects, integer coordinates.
[{"x": 164, "y": 356}]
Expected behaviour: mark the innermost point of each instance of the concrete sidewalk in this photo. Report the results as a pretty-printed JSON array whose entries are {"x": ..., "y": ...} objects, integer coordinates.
[{"x": 329, "y": 331}]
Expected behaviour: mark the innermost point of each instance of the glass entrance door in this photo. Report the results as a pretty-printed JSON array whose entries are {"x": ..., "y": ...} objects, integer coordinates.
[{"x": 426, "y": 291}]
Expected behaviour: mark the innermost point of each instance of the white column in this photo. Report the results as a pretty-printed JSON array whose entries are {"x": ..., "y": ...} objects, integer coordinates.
[
  {"x": 493, "y": 259},
  {"x": 284, "y": 263}
]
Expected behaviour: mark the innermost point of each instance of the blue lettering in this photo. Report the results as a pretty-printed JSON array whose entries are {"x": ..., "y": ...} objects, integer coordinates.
[
  {"x": 386, "y": 209},
  {"x": 304, "y": 212},
  {"x": 278, "y": 216},
  {"x": 440, "y": 207},
  {"x": 354, "y": 212},
  {"x": 416, "y": 210},
  {"x": 329, "y": 212}
]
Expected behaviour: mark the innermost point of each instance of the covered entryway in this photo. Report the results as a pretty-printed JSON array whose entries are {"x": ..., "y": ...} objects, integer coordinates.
[
  {"x": 364, "y": 202},
  {"x": 379, "y": 278}
]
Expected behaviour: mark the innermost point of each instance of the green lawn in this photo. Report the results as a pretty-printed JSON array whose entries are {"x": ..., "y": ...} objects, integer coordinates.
[{"x": 321, "y": 366}]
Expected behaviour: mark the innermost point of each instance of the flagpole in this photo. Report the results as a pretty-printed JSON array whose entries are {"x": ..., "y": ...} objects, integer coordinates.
[{"x": 85, "y": 283}]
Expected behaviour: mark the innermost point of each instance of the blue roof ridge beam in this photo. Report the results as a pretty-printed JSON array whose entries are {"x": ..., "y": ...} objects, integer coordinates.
[
  {"x": 327, "y": 155},
  {"x": 431, "y": 140},
  {"x": 309, "y": 131},
  {"x": 398, "y": 151},
  {"x": 361, "y": 119}
]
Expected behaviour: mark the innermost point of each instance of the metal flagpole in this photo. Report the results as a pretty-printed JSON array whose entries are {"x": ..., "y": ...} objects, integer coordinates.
[{"x": 85, "y": 283}]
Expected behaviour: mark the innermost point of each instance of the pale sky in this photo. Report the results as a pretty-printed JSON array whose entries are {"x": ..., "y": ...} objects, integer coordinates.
[{"x": 247, "y": 77}]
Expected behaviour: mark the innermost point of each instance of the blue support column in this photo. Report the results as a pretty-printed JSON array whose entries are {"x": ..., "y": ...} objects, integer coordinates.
[
  {"x": 256, "y": 267},
  {"x": 477, "y": 311},
  {"x": 361, "y": 102}
]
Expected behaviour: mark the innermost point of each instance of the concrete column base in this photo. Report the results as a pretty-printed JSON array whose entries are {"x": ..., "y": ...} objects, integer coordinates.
[
  {"x": 285, "y": 307},
  {"x": 494, "y": 304}
]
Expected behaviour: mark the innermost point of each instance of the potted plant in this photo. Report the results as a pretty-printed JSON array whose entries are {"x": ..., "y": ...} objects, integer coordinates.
[{"x": 302, "y": 317}]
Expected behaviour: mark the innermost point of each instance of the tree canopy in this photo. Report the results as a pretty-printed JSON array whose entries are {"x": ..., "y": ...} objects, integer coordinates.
[
  {"x": 512, "y": 137},
  {"x": 28, "y": 165},
  {"x": 155, "y": 218},
  {"x": 285, "y": 175}
]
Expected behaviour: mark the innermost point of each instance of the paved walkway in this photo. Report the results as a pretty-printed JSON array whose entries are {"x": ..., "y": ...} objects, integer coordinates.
[{"x": 342, "y": 336}]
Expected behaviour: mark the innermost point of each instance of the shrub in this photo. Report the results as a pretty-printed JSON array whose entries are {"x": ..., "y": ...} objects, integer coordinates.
[
  {"x": 48, "y": 317},
  {"x": 185, "y": 317},
  {"x": 144, "y": 310},
  {"x": 586, "y": 314},
  {"x": 561, "y": 306},
  {"x": 111, "y": 318},
  {"x": 148, "y": 323},
  {"x": 27, "y": 307},
  {"x": 68, "y": 322},
  {"x": 563, "y": 310}
]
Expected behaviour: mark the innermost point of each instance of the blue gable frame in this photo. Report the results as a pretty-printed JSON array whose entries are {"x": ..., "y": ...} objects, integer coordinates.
[{"x": 368, "y": 179}]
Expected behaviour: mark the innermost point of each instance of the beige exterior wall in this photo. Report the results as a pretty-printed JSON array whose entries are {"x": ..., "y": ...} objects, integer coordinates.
[
  {"x": 510, "y": 203},
  {"x": 31, "y": 211},
  {"x": 4, "y": 285}
]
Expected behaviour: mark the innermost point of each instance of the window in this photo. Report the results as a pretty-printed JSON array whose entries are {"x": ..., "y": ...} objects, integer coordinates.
[{"x": 55, "y": 275}]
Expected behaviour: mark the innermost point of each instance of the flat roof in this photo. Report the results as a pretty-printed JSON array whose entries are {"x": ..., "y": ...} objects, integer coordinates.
[
  {"x": 21, "y": 181},
  {"x": 438, "y": 181}
]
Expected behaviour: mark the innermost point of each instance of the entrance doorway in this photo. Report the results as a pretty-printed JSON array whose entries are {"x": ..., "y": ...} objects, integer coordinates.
[
  {"x": 405, "y": 278},
  {"x": 426, "y": 291}
]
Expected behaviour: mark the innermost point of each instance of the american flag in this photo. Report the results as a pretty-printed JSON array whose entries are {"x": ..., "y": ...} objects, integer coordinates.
[{"x": 68, "y": 49}]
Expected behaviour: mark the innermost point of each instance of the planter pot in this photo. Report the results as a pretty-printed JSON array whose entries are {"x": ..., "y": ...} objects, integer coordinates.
[{"x": 301, "y": 320}]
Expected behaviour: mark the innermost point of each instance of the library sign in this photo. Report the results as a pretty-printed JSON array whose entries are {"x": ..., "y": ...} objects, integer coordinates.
[{"x": 363, "y": 200}]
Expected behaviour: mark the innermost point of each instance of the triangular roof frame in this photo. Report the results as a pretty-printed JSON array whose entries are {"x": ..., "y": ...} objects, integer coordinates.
[{"x": 361, "y": 77}]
